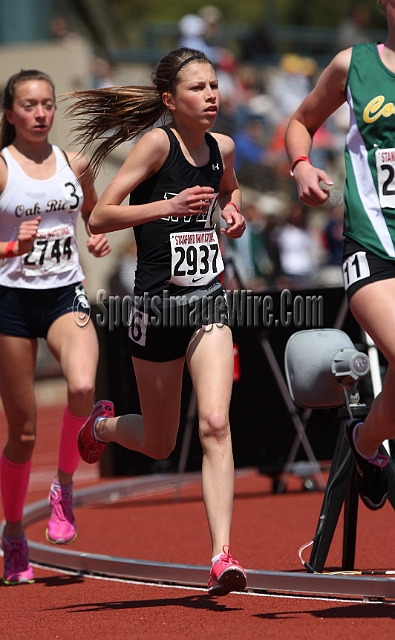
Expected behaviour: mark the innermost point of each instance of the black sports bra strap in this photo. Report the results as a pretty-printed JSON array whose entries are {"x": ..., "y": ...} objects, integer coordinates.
[{"x": 65, "y": 155}]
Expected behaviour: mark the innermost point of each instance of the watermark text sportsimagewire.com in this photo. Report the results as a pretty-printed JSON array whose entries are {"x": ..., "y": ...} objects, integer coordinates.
[{"x": 241, "y": 308}]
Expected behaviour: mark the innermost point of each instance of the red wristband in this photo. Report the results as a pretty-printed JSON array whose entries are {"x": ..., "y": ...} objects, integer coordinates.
[
  {"x": 299, "y": 159},
  {"x": 234, "y": 205},
  {"x": 9, "y": 250}
]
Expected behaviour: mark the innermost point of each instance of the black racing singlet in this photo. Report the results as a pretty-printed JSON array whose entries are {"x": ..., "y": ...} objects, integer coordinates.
[{"x": 154, "y": 251}]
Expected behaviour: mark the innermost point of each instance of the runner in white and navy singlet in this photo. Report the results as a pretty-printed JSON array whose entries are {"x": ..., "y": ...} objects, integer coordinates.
[
  {"x": 43, "y": 190},
  {"x": 58, "y": 200}
]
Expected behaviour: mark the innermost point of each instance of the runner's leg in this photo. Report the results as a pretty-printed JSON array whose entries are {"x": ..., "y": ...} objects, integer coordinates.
[
  {"x": 17, "y": 393},
  {"x": 210, "y": 362},
  {"x": 155, "y": 432}
]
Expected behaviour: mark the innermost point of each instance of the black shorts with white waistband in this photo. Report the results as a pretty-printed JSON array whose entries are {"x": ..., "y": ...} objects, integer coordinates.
[
  {"x": 29, "y": 313},
  {"x": 361, "y": 267},
  {"x": 161, "y": 333}
]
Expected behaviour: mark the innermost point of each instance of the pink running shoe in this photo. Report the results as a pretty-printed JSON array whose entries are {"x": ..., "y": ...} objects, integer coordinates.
[
  {"x": 17, "y": 569},
  {"x": 226, "y": 575},
  {"x": 61, "y": 524},
  {"x": 89, "y": 447}
]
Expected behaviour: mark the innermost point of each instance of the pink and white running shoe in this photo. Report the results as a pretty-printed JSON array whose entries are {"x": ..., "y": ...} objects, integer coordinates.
[
  {"x": 89, "y": 446},
  {"x": 61, "y": 524},
  {"x": 226, "y": 575},
  {"x": 17, "y": 569}
]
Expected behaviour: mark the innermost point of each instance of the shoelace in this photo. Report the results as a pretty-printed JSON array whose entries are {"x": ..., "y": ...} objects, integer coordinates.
[
  {"x": 62, "y": 506},
  {"x": 15, "y": 559},
  {"x": 228, "y": 557}
]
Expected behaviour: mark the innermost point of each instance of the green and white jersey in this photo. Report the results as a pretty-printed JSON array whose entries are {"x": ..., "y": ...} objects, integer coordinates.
[{"x": 369, "y": 209}]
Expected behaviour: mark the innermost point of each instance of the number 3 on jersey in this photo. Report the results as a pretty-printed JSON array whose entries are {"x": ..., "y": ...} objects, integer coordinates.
[{"x": 355, "y": 268}]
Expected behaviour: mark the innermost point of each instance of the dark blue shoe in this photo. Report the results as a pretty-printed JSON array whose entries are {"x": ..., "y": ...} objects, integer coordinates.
[{"x": 371, "y": 478}]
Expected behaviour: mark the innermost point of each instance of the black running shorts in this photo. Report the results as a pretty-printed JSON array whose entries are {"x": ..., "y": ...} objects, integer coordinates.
[
  {"x": 362, "y": 267},
  {"x": 162, "y": 334}
]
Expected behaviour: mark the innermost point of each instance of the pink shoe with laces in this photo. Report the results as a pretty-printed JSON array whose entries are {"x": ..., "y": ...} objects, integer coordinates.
[
  {"x": 89, "y": 446},
  {"x": 17, "y": 569},
  {"x": 61, "y": 524},
  {"x": 226, "y": 575}
]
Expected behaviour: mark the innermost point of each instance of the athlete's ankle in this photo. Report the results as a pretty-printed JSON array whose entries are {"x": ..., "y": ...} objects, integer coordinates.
[
  {"x": 367, "y": 455},
  {"x": 13, "y": 530}
]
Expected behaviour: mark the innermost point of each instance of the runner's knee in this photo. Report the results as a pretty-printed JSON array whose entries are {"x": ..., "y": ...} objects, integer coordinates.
[
  {"x": 22, "y": 444},
  {"x": 214, "y": 425},
  {"x": 81, "y": 388}
]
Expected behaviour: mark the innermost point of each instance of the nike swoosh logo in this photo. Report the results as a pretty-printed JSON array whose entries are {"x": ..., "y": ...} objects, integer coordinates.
[{"x": 197, "y": 279}]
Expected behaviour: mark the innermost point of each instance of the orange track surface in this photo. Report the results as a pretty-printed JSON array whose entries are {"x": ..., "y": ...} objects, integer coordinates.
[{"x": 267, "y": 533}]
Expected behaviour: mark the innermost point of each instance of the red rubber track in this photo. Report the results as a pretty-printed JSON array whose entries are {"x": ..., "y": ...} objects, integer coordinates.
[{"x": 267, "y": 532}]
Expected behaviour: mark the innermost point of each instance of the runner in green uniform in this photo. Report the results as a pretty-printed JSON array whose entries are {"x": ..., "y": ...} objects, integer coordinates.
[{"x": 364, "y": 75}]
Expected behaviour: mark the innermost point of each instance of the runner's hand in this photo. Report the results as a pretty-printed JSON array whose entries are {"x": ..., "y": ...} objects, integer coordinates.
[
  {"x": 191, "y": 202},
  {"x": 307, "y": 180},
  {"x": 235, "y": 220},
  {"x": 98, "y": 245},
  {"x": 26, "y": 233}
]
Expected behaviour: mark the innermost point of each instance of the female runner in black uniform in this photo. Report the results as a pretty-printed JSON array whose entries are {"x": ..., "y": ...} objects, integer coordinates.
[{"x": 175, "y": 176}]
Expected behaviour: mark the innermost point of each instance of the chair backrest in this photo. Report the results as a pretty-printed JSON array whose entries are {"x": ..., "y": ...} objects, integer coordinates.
[{"x": 309, "y": 370}]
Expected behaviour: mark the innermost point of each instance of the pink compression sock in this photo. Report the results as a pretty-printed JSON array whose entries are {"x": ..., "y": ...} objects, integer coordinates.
[
  {"x": 14, "y": 480},
  {"x": 68, "y": 451}
]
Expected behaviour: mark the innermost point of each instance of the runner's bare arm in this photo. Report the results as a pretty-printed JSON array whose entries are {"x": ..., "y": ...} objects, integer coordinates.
[
  {"x": 326, "y": 97},
  {"x": 98, "y": 244},
  {"x": 229, "y": 198},
  {"x": 145, "y": 159}
]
